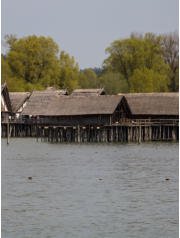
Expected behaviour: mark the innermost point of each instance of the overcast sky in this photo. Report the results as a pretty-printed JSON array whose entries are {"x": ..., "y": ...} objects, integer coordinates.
[{"x": 85, "y": 28}]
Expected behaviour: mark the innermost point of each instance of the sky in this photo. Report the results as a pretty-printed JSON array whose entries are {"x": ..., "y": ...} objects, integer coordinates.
[{"x": 85, "y": 28}]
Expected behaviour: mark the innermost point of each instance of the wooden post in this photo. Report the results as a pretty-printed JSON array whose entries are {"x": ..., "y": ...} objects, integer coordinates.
[
  {"x": 150, "y": 133},
  {"x": 8, "y": 136},
  {"x": 160, "y": 133},
  {"x": 173, "y": 133},
  {"x": 79, "y": 139},
  {"x": 139, "y": 134},
  {"x": 37, "y": 130},
  {"x": 131, "y": 134}
]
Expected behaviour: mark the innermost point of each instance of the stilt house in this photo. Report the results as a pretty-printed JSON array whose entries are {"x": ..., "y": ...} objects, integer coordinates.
[
  {"x": 77, "y": 110},
  {"x": 153, "y": 105}
]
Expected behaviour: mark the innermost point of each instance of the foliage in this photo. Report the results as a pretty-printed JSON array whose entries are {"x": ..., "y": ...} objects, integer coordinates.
[
  {"x": 88, "y": 79},
  {"x": 170, "y": 47},
  {"x": 7, "y": 76},
  {"x": 68, "y": 72},
  {"x": 113, "y": 83},
  {"x": 34, "y": 59},
  {"x": 140, "y": 60},
  {"x": 147, "y": 80},
  {"x": 140, "y": 63}
]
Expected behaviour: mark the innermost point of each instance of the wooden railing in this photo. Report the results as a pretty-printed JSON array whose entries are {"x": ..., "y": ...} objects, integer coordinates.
[
  {"x": 147, "y": 122},
  {"x": 123, "y": 121}
]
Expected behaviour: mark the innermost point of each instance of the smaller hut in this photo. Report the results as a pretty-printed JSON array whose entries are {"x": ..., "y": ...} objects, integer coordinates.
[{"x": 88, "y": 92}]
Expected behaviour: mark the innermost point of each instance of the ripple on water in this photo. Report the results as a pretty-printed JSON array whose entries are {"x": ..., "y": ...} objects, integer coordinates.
[{"x": 89, "y": 190}]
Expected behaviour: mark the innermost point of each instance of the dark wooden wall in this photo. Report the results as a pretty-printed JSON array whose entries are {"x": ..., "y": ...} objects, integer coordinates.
[{"x": 75, "y": 120}]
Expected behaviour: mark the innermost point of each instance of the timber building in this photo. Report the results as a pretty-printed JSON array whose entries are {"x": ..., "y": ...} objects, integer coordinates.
[
  {"x": 89, "y": 116},
  {"x": 77, "y": 110},
  {"x": 153, "y": 105}
]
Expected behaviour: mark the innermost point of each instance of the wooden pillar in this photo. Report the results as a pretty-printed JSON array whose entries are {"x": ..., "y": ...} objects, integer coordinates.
[
  {"x": 128, "y": 134},
  {"x": 160, "y": 133},
  {"x": 173, "y": 133},
  {"x": 150, "y": 133},
  {"x": 8, "y": 134},
  {"x": 37, "y": 131},
  {"x": 168, "y": 133},
  {"x": 116, "y": 134},
  {"x": 79, "y": 139},
  {"x": 111, "y": 136},
  {"x": 139, "y": 134}
]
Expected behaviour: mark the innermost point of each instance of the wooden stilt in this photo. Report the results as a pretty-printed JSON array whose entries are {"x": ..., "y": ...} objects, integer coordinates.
[{"x": 8, "y": 134}]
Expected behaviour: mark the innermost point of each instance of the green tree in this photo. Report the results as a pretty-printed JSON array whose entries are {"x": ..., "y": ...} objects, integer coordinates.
[
  {"x": 170, "y": 47},
  {"x": 34, "y": 60},
  {"x": 69, "y": 72},
  {"x": 136, "y": 56},
  {"x": 147, "y": 80},
  {"x": 5, "y": 69},
  {"x": 14, "y": 84},
  {"x": 10, "y": 40},
  {"x": 88, "y": 79},
  {"x": 113, "y": 83}
]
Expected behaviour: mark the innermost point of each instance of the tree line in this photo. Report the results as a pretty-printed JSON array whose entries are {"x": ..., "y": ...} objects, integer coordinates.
[{"x": 140, "y": 63}]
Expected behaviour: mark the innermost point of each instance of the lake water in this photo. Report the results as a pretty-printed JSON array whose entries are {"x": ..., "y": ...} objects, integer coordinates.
[{"x": 89, "y": 190}]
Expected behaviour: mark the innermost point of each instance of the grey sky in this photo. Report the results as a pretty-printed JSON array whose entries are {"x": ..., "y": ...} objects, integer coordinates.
[{"x": 85, "y": 28}]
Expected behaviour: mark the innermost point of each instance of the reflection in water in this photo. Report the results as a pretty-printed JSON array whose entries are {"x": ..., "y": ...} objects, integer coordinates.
[{"x": 92, "y": 190}]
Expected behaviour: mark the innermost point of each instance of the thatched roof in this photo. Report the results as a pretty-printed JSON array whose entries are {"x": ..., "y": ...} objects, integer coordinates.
[
  {"x": 5, "y": 98},
  {"x": 3, "y": 86},
  {"x": 88, "y": 92},
  {"x": 70, "y": 105},
  {"x": 58, "y": 91},
  {"x": 153, "y": 103},
  {"x": 39, "y": 101},
  {"x": 18, "y": 99}
]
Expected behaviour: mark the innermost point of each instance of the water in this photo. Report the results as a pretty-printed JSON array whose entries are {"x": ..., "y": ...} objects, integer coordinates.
[{"x": 89, "y": 190}]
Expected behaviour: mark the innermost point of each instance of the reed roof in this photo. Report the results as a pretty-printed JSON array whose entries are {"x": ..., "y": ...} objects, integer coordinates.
[
  {"x": 88, "y": 92},
  {"x": 71, "y": 106},
  {"x": 3, "y": 86},
  {"x": 153, "y": 103},
  {"x": 5, "y": 96},
  {"x": 18, "y": 99},
  {"x": 57, "y": 91}
]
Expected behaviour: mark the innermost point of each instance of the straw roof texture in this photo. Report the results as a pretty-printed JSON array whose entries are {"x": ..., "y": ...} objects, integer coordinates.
[
  {"x": 39, "y": 101},
  {"x": 153, "y": 103},
  {"x": 88, "y": 92},
  {"x": 59, "y": 91},
  {"x": 5, "y": 96},
  {"x": 3, "y": 86},
  {"x": 71, "y": 106},
  {"x": 18, "y": 99}
]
